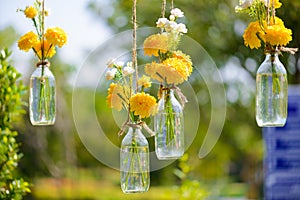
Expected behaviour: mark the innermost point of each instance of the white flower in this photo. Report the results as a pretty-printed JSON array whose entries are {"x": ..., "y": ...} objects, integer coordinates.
[
  {"x": 110, "y": 74},
  {"x": 161, "y": 22},
  {"x": 177, "y": 12},
  {"x": 172, "y": 18},
  {"x": 129, "y": 64},
  {"x": 119, "y": 64},
  {"x": 181, "y": 28},
  {"x": 128, "y": 70},
  {"x": 244, "y": 4},
  {"x": 170, "y": 26}
]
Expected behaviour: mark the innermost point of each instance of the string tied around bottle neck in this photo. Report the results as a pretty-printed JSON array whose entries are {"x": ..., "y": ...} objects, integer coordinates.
[
  {"x": 182, "y": 98},
  {"x": 45, "y": 63}
]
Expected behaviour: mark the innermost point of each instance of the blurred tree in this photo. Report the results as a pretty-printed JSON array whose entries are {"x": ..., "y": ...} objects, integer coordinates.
[
  {"x": 8, "y": 36},
  {"x": 12, "y": 186}
]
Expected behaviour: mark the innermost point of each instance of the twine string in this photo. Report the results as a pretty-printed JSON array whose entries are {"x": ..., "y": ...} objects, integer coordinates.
[
  {"x": 163, "y": 8},
  {"x": 134, "y": 49},
  {"x": 43, "y": 29}
]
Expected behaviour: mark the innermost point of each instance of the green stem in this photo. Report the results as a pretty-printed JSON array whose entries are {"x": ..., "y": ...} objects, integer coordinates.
[
  {"x": 131, "y": 172},
  {"x": 169, "y": 123},
  {"x": 275, "y": 78},
  {"x": 43, "y": 100}
]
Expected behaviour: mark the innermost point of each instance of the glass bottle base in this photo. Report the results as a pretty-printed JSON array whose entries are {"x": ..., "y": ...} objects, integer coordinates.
[{"x": 163, "y": 155}]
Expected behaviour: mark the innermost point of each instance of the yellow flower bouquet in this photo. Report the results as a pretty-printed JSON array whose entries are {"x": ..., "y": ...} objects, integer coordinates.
[
  {"x": 128, "y": 91},
  {"x": 42, "y": 103},
  {"x": 171, "y": 68},
  {"x": 268, "y": 31}
]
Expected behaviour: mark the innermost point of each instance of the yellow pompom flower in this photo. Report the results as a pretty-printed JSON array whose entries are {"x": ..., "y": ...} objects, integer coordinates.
[
  {"x": 186, "y": 59},
  {"x": 278, "y": 35},
  {"x": 143, "y": 105},
  {"x": 30, "y": 12},
  {"x": 27, "y": 41},
  {"x": 174, "y": 70},
  {"x": 155, "y": 43},
  {"x": 56, "y": 36},
  {"x": 48, "y": 49},
  {"x": 163, "y": 73},
  {"x": 113, "y": 98},
  {"x": 250, "y": 35},
  {"x": 144, "y": 81}
]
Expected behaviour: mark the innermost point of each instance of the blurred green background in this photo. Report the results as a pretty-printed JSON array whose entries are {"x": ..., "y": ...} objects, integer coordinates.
[{"x": 58, "y": 165}]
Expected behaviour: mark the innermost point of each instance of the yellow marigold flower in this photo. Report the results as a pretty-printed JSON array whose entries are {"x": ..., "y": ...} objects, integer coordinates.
[
  {"x": 250, "y": 37},
  {"x": 143, "y": 104},
  {"x": 27, "y": 41},
  {"x": 278, "y": 35},
  {"x": 145, "y": 81},
  {"x": 30, "y": 12},
  {"x": 185, "y": 59},
  {"x": 48, "y": 49},
  {"x": 163, "y": 73},
  {"x": 155, "y": 43},
  {"x": 113, "y": 99},
  {"x": 174, "y": 70},
  {"x": 56, "y": 36}
]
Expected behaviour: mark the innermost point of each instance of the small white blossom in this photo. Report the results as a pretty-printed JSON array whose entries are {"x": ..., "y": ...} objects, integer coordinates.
[
  {"x": 177, "y": 12},
  {"x": 181, "y": 28},
  {"x": 120, "y": 64},
  {"x": 244, "y": 4},
  {"x": 172, "y": 18},
  {"x": 171, "y": 26},
  {"x": 110, "y": 74},
  {"x": 127, "y": 71},
  {"x": 129, "y": 64},
  {"x": 161, "y": 22}
]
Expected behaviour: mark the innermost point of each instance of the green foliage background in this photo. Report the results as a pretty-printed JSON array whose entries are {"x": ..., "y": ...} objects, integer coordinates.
[{"x": 12, "y": 186}]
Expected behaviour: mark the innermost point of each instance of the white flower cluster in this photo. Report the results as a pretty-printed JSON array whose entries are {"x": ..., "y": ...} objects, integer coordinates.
[
  {"x": 170, "y": 25},
  {"x": 244, "y": 4},
  {"x": 118, "y": 70}
]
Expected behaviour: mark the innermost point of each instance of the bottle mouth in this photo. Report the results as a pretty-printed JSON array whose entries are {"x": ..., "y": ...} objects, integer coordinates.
[
  {"x": 271, "y": 50},
  {"x": 45, "y": 63}
]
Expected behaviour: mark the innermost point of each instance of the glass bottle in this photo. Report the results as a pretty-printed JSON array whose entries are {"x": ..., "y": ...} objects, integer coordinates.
[
  {"x": 42, "y": 105},
  {"x": 271, "y": 92},
  {"x": 134, "y": 162},
  {"x": 168, "y": 126}
]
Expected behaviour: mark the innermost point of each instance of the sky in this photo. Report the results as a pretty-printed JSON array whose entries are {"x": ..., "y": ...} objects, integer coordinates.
[{"x": 84, "y": 31}]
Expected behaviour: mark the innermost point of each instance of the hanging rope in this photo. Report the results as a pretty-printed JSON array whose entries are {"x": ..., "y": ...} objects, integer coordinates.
[
  {"x": 273, "y": 11},
  {"x": 134, "y": 49},
  {"x": 163, "y": 8},
  {"x": 268, "y": 12},
  {"x": 42, "y": 31}
]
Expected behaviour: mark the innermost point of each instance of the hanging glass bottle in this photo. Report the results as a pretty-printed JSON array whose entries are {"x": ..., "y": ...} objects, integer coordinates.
[
  {"x": 271, "y": 92},
  {"x": 42, "y": 95},
  {"x": 168, "y": 125},
  {"x": 134, "y": 161}
]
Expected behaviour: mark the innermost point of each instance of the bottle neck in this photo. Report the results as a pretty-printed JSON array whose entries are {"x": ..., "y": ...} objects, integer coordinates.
[
  {"x": 43, "y": 63},
  {"x": 272, "y": 57}
]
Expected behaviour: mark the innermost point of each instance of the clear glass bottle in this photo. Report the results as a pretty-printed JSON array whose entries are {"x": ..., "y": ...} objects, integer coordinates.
[
  {"x": 169, "y": 127},
  {"x": 42, "y": 99},
  {"x": 271, "y": 92},
  {"x": 134, "y": 162}
]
